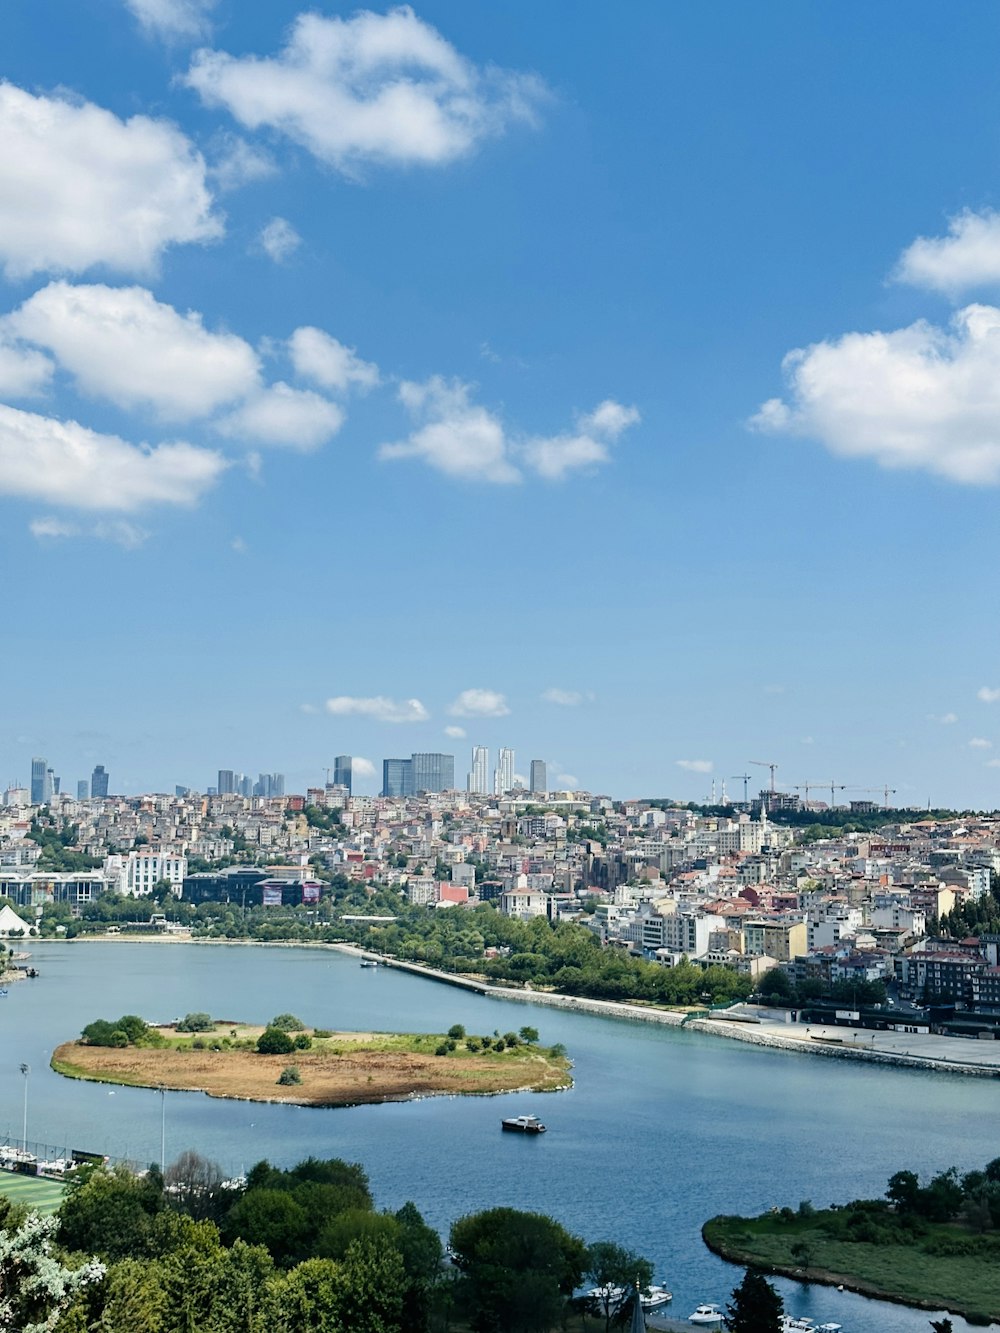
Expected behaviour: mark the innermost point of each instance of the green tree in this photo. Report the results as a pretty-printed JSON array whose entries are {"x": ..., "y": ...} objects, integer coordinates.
[
  {"x": 755, "y": 1306},
  {"x": 287, "y": 1023},
  {"x": 615, "y": 1273},
  {"x": 111, "y": 1214},
  {"x": 35, "y": 1287},
  {"x": 518, "y": 1269},
  {"x": 272, "y": 1041}
]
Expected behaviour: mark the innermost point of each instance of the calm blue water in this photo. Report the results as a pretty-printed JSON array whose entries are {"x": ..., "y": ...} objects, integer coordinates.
[{"x": 662, "y": 1129}]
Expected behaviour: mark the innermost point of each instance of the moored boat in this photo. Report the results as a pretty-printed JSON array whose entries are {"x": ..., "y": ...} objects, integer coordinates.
[
  {"x": 706, "y": 1314},
  {"x": 523, "y": 1124}
]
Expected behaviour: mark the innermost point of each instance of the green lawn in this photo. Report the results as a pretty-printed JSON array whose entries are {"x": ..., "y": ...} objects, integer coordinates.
[
  {"x": 43, "y": 1195},
  {"x": 966, "y": 1284}
]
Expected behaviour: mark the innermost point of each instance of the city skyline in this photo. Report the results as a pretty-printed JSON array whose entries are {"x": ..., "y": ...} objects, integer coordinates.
[{"x": 622, "y": 333}]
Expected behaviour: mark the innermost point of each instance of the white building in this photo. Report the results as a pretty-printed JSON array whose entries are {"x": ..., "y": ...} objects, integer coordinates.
[
  {"x": 137, "y": 873},
  {"x": 503, "y": 774}
]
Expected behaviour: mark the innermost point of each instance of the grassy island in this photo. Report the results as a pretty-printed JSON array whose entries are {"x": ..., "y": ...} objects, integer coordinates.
[
  {"x": 309, "y": 1066},
  {"x": 934, "y": 1247}
]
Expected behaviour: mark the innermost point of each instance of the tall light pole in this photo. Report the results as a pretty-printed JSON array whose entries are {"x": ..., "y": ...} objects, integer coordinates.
[
  {"x": 25, "y": 1070},
  {"x": 163, "y": 1129}
]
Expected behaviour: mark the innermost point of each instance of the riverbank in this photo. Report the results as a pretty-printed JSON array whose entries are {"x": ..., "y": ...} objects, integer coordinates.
[
  {"x": 916, "y": 1274},
  {"x": 342, "y": 1069},
  {"x": 766, "y": 1028}
]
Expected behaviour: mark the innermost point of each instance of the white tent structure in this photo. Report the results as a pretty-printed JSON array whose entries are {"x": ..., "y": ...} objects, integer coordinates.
[{"x": 10, "y": 923}]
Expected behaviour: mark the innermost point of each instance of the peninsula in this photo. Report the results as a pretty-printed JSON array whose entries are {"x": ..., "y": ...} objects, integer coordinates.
[
  {"x": 933, "y": 1247},
  {"x": 312, "y": 1066}
]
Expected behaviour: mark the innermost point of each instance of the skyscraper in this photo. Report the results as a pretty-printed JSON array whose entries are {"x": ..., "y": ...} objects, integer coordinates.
[
  {"x": 227, "y": 782},
  {"x": 39, "y": 768},
  {"x": 539, "y": 778},
  {"x": 397, "y": 777},
  {"x": 503, "y": 774},
  {"x": 479, "y": 774},
  {"x": 82, "y": 789},
  {"x": 277, "y": 784},
  {"x": 342, "y": 772},
  {"x": 433, "y": 772},
  {"x": 99, "y": 782}
]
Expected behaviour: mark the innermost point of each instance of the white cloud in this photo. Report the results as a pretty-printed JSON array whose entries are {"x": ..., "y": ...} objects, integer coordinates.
[
  {"x": 308, "y": 708},
  {"x": 122, "y": 344},
  {"x": 979, "y": 743},
  {"x": 458, "y": 438},
  {"x": 919, "y": 397},
  {"x": 79, "y": 187},
  {"x": 64, "y": 463},
  {"x": 379, "y": 708},
  {"x": 464, "y": 440},
  {"x": 279, "y": 240},
  {"x": 987, "y": 695},
  {"x": 945, "y": 719},
  {"x": 566, "y": 698},
  {"x": 479, "y": 703},
  {"x": 23, "y": 371},
  {"x": 455, "y": 733},
  {"x": 992, "y": 763},
  {"x": 318, "y": 357},
  {"x": 969, "y": 256},
  {"x": 172, "y": 18},
  {"x": 695, "y": 765},
  {"x": 120, "y": 531},
  {"x": 235, "y": 162},
  {"x": 567, "y": 781},
  {"x": 383, "y": 88},
  {"x": 281, "y": 415},
  {"x": 362, "y": 768}
]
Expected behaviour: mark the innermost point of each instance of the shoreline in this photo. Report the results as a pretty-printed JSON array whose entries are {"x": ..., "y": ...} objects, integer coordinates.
[{"x": 945, "y": 1055}]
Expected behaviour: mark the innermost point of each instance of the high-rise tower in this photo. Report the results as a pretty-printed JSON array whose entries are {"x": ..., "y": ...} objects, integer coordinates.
[
  {"x": 503, "y": 774},
  {"x": 479, "y": 774}
]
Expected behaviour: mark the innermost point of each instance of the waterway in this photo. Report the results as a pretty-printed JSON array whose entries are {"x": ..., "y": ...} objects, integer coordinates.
[{"x": 662, "y": 1129}]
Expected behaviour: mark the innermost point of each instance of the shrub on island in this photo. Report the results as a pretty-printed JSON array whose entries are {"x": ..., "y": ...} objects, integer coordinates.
[
  {"x": 272, "y": 1041},
  {"x": 129, "y": 1030},
  {"x": 289, "y": 1077},
  {"x": 287, "y": 1023},
  {"x": 197, "y": 1022}
]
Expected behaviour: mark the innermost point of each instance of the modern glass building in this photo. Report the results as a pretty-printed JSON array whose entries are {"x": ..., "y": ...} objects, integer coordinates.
[
  {"x": 99, "y": 782},
  {"x": 342, "y": 772},
  {"x": 39, "y": 772},
  {"x": 539, "y": 777},
  {"x": 433, "y": 772},
  {"x": 397, "y": 777}
]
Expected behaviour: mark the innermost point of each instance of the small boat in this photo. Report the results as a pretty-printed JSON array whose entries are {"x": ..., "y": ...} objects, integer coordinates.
[
  {"x": 706, "y": 1314},
  {"x": 368, "y": 962},
  {"x": 523, "y": 1124},
  {"x": 828, "y": 1328},
  {"x": 655, "y": 1297},
  {"x": 790, "y": 1324}
]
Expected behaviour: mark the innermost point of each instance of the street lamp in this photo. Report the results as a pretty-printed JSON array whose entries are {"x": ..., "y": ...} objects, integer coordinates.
[
  {"x": 25, "y": 1070},
  {"x": 163, "y": 1128}
]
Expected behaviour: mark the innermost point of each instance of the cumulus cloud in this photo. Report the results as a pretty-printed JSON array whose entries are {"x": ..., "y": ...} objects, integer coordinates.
[
  {"x": 980, "y": 743},
  {"x": 566, "y": 698},
  {"x": 79, "y": 187},
  {"x": 920, "y": 397},
  {"x": 969, "y": 256},
  {"x": 987, "y": 694},
  {"x": 235, "y": 163},
  {"x": 379, "y": 708},
  {"x": 279, "y": 240},
  {"x": 318, "y": 357},
  {"x": 695, "y": 765},
  {"x": 457, "y": 437},
  {"x": 479, "y": 703},
  {"x": 455, "y": 733},
  {"x": 945, "y": 719},
  {"x": 64, "y": 463},
  {"x": 24, "y": 372},
  {"x": 993, "y": 763},
  {"x": 297, "y": 418},
  {"x": 362, "y": 768},
  {"x": 567, "y": 781},
  {"x": 380, "y": 88},
  {"x": 462, "y": 439},
  {"x": 172, "y": 19},
  {"x": 120, "y": 343},
  {"x": 120, "y": 531}
]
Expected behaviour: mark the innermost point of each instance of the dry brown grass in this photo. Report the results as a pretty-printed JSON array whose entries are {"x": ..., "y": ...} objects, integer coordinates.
[{"x": 347, "y": 1069}]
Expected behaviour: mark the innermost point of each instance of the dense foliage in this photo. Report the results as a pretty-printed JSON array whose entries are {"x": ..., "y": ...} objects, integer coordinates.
[
  {"x": 974, "y": 918},
  {"x": 286, "y": 1251},
  {"x": 129, "y": 1030}
]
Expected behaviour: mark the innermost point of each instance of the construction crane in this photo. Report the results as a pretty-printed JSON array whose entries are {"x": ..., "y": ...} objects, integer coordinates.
[
  {"x": 744, "y": 778},
  {"x": 763, "y": 763},
  {"x": 885, "y": 792}
]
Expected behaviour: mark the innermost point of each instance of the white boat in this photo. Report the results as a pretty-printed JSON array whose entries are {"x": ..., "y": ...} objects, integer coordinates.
[
  {"x": 655, "y": 1297},
  {"x": 523, "y": 1124},
  {"x": 706, "y": 1314},
  {"x": 790, "y": 1324},
  {"x": 828, "y": 1328}
]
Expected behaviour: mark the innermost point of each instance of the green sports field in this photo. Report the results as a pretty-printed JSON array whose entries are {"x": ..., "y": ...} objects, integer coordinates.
[{"x": 44, "y": 1195}]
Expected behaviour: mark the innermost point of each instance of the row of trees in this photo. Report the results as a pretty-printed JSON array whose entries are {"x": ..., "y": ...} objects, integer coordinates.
[{"x": 286, "y": 1252}]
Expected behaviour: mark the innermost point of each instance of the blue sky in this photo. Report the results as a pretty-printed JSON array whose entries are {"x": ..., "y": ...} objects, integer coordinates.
[{"x": 620, "y": 383}]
